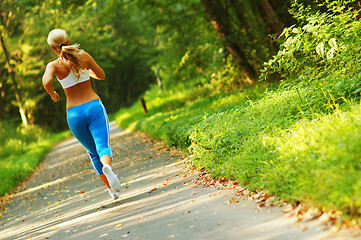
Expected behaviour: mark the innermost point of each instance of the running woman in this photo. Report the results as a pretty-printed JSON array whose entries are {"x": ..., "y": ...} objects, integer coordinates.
[{"x": 86, "y": 115}]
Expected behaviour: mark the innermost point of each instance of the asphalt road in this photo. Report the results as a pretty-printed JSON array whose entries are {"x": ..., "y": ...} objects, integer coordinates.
[{"x": 160, "y": 199}]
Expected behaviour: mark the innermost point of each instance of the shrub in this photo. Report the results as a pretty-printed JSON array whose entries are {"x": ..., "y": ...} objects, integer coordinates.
[
  {"x": 318, "y": 162},
  {"x": 321, "y": 54}
]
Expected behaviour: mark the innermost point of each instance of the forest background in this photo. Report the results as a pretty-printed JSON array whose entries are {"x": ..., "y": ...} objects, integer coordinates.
[{"x": 263, "y": 92}]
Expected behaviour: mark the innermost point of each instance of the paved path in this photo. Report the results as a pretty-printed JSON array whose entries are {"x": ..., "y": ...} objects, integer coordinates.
[{"x": 159, "y": 200}]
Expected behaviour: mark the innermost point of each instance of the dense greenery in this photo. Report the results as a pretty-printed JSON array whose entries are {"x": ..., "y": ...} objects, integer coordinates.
[
  {"x": 299, "y": 140},
  {"x": 134, "y": 41},
  {"x": 121, "y": 49}
]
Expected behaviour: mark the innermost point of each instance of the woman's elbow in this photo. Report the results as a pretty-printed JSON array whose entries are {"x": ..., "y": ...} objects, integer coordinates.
[
  {"x": 47, "y": 83},
  {"x": 102, "y": 77}
]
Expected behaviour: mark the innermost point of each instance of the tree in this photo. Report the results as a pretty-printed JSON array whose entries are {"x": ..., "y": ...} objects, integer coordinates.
[
  {"x": 219, "y": 17},
  {"x": 271, "y": 17},
  {"x": 7, "y": 17}
]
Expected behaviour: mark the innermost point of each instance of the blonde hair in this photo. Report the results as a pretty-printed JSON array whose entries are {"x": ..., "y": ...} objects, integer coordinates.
[{"x": 59, "y": 40}]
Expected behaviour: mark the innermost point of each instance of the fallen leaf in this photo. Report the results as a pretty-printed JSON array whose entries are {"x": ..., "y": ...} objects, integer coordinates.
[
  {"x": 288, "y": 208},
  {"x": 118, "y": 225},
  {"x": 233, "y": 200},
  {"x": 82, "y": 191}
]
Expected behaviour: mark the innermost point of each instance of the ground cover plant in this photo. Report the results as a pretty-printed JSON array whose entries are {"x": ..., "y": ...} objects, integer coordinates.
[
  {"x": 318, "y": 162},
  {"x": 21, "y": 150}
]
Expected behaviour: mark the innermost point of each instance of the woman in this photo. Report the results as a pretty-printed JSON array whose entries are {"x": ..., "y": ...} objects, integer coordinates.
[{"x": 86, "y": 115}]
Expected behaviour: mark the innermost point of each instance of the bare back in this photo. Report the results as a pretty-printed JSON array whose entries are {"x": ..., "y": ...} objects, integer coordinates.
[{"x": 81, "y": 92}]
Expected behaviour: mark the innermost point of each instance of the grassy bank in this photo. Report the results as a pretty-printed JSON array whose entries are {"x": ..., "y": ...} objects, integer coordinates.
[
  {"x": 21, "y": 150},
  {"x": 264, "y": 138},
  {"x": 299, "y": 141}
]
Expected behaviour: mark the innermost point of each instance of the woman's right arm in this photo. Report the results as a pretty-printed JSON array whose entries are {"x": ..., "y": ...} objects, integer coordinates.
[
  {"x": 48, "y": 82},
  {"x": 94, "y": 69}
]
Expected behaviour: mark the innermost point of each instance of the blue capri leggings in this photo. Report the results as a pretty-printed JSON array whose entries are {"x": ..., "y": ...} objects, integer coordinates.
[{"x": 90, "y": 125}]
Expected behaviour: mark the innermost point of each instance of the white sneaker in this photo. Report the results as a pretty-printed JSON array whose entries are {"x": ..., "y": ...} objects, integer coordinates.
[
  {"x": 112, "y": 178},
  {"x": 113, "y": 194}
]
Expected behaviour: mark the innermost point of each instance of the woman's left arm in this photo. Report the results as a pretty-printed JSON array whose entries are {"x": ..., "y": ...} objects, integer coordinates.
[{"x": 48, "y": 82}]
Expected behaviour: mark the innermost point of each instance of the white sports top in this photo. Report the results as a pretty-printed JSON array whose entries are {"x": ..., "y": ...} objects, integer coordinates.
[{"x": 72, "y": 79}]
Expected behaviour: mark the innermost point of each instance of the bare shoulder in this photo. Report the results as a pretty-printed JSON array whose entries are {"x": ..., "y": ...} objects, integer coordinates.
[
  {"x": 88, "y": 62},
  {"x": 84, "y": 55},
  {"x": 51, "y": 66},
  {"x": 85, "y": 58},
  {"x": 50, "y": 71},
  {"x": 52, "y": 63}
]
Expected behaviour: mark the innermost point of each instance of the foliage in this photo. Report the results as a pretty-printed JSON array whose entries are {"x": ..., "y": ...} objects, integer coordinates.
[
  {"x": 230, "y": 143},
  {"x": 123, "y": 55},
  {"x": 321, "y": 54},
  {"x": 130, "y": 40},
  {"x": 185, "y": 43},
  {"x": 318, "y": 162},
  {"x": 298, "y": 141}
]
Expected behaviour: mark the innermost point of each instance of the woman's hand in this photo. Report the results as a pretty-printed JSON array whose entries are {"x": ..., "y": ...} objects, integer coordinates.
[{"x": 55, "y": 97}]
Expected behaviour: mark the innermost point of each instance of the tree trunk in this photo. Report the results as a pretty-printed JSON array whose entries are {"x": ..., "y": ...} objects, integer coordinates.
[
  {"x": 159, "y": 80},
  {"x": 271, "y": 16},
  {"x": 215, "y": 11},
  {"x": 12, "y": 74}
]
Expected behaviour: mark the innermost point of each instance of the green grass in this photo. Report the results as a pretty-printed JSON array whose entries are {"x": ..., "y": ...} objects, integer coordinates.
[
  {"x": 320, "y": 162},
  {"x": 172, "y": 115},
  {"x": 265, "y": 138},
  {"x": 21, "y": 150}
]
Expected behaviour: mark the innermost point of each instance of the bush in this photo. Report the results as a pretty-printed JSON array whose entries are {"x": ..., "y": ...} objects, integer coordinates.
[
  {"x": 318, "y": 162},
  {"x": 230, "y": 143},
  {"x": 321, "y": 54}
]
